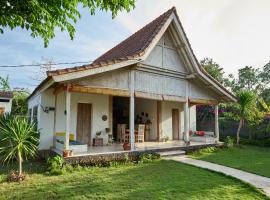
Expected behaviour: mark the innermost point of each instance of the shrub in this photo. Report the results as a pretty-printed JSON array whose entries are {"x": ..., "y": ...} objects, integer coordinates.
[
  {"x": 267, "y": 143},
  {"x": 229, "y": 142},
  {"x": 148, "y": 157},
  {"x": 56, "y": 165}
]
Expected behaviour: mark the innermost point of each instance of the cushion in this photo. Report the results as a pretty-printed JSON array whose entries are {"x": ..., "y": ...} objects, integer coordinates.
[{"x": 200, "y": 133}]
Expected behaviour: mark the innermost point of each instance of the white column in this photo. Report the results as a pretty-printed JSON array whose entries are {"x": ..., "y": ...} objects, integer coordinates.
[
  {"x": 186, "y": 121},
  {"x": 216, "y": 123},
  {"x": 66, "y": 146},
  {"x": 186, "y": 115},
  {"x": 132, "y": 111}
]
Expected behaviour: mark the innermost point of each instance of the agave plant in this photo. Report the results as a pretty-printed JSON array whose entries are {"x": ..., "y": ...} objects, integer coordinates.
[{"x": 18, "y": 139}]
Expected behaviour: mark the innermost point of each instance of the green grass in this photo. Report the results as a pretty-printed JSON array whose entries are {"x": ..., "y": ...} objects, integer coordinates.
[
  {"x": 156, "y": 180},
  {"x": 248, "y": 158}
]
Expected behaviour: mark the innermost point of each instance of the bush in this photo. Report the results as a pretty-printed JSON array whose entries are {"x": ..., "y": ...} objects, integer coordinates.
[
  {"x": 260, "y": 143},
  {"x": 229, "y": 142},
  {"x": 267, "y": 143},
  {"x": 56, "y": 165},
  {"x": 148, "y": 157}
]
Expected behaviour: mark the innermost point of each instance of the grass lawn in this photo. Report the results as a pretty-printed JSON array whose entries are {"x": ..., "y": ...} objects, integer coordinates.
[
  {"x": 156, "y": 180},
  {"x": 248, "y": 158}
]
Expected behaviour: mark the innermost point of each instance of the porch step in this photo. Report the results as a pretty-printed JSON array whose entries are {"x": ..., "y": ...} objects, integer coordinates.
[{"x": 172, "y": 153}]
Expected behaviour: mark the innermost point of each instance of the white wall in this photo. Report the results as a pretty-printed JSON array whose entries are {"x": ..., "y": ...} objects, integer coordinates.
[
  {"x": 192, "y": 118},
  {"x": 46, "y": 122},
  {"x": 150, "y": 107},
  {"x": 100, "y": 107},
  {"x": 166, "y": 116},
  {"x": 6, "y": 105}
]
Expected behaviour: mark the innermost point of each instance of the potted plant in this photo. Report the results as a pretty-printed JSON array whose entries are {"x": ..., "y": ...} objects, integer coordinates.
[
  {"x": 66, "y": 153},
  {"x": 98, "y": 134},
  {"x": 127, "y": 146}
]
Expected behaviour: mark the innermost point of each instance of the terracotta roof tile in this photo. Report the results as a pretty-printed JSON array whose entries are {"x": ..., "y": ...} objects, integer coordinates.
[
  {"x": 131, "y": 48},
  {"x": 6, "y": 94}
]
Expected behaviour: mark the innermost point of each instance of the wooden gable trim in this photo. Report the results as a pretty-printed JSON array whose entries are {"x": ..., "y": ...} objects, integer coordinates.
[
  {"x": 93, "y": 71},
  {"x": 194, "y": 101},
  {"x": 99, "y": 90}
]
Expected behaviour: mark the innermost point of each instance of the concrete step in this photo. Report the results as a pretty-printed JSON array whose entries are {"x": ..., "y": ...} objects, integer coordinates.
[{"x": 172, "y": 153}]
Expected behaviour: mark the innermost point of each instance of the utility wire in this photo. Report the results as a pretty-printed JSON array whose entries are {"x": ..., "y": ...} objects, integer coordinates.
[{"x": 42, "y": 64}]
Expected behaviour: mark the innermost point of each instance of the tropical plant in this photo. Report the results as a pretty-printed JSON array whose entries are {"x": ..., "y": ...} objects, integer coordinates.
[
  {"x": 243, "y": 110},
  {"x": 41, "y": 17},
  {"x": 213, "y": 69},
  {"x": 19, "y": 102},
  {"x": 18, "y": 139},
  {"x": 4, "y": 83}
]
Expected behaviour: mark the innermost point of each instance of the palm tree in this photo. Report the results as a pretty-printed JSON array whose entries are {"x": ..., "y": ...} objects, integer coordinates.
[
  {"x": 245, "y": 105},
  {"x": 18, "y": 139},
  {"x": 4, "y": 83}
]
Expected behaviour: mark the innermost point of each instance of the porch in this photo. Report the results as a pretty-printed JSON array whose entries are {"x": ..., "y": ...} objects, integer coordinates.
[
  {"x": 99, "y": 123},
  {"x": 145, "y": 146}
]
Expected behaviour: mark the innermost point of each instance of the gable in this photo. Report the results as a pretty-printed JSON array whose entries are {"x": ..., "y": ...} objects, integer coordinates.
[
  {"x": 117, "y": 79},
  {"x": 165, "y": 55}
]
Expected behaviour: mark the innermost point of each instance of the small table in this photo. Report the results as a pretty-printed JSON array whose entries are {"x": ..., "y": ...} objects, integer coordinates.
[{"x": 97, "y": 141}]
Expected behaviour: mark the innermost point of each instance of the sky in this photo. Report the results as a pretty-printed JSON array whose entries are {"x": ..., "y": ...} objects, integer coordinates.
[{"x": 233, "y": 33}]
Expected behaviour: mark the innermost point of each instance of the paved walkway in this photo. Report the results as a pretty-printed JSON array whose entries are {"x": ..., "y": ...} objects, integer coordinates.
[{"x": 256, "y": 180}]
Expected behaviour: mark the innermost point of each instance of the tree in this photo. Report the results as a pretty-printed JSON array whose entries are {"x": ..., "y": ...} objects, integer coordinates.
[
  {"x": 213, "y": 69},
  {"x": 4, "y": 83},
  {"x": 18, "y": 139},
  {"x": 19, "y": 102},
  {"x": 41, "y": 17},
  {"x": 243, "y": 110}
]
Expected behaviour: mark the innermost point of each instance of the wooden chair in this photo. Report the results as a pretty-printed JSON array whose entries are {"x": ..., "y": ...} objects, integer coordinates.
[
  {"x": 141, "y": 130},
  {"x": 121, "y": 131}
]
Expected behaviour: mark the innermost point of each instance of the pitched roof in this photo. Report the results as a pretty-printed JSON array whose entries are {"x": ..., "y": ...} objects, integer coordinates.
[
  {"x": 130, "y": 49},
  {"x": 6, "y": 94}
]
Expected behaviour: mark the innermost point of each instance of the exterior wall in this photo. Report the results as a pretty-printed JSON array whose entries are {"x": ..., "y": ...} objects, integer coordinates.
[
  {"x": 150, "y": 107},
  {"x": 166, "y": 116},
  {"x": 158, "y": 84},
  {"x": 199, "y": 91},
  {"x": 192, "y": 118},
  {"x": 115, "y": 79},
  {"x": 45, "y": 120},
  {"x": 100, "y": 107},
  {"x": 6, "y": 105}
]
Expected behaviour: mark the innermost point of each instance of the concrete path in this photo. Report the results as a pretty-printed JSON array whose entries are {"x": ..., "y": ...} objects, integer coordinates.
[{"x": 260, "y": 182}]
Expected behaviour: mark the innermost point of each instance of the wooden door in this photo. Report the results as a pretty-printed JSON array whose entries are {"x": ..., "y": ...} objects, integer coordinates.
[
  {"x": 84, "y": 123},
  {"x": 175, "y": 124}
]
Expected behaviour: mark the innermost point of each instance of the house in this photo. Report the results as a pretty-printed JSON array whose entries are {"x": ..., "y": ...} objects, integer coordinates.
[
  {"x": 5, "y": 101},
  {"x": 143, "y": 91}
]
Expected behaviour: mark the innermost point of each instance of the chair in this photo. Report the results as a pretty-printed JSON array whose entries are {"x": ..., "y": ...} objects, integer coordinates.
[
  {"x": 141, "y": 130},
  {"x": 121, "y": 131}
]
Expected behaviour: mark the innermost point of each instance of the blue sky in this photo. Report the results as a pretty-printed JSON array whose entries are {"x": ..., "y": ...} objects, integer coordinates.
[{"x": 233, "y": 33}]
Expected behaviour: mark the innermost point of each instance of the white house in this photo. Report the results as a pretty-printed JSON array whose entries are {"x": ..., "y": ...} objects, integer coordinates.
[
  {"x": 143, "y": 90},
  {"x": 5, "y": 101}
]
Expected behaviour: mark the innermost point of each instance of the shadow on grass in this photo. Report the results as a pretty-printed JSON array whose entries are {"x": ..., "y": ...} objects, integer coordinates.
[{"x": 156, "y": 180}]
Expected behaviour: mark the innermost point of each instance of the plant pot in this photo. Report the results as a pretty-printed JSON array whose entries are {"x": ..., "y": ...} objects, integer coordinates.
[
  {"x": 126, "y": 146},
  {"x": 65, "y": 154}
]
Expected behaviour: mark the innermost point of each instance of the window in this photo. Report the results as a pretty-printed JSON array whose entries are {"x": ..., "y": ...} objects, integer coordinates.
[
  {"x": 30, "y": 114},
  {"x": 35, "y": 115}
]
